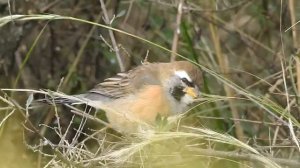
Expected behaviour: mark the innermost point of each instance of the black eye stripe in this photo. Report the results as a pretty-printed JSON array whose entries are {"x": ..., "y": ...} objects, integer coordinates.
[
  {"x": 177, "y": 92},
  {"x": 187, "y": 82}
]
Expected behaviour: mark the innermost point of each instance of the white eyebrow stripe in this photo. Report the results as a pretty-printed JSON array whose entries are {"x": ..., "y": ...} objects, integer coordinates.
[{"x": 182, "y": 74}]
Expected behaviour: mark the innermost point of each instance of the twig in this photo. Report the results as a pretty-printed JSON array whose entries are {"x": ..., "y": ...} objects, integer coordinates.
[
  {"x": 20, "y": 109},
  {"x": 112, "y": 37},
  {"x": 176, "y": 31},
  {"x": 88, "y": 116}
]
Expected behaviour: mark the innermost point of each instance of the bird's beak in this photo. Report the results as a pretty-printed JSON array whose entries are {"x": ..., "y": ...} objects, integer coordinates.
[{"x": 191, "y": 92}]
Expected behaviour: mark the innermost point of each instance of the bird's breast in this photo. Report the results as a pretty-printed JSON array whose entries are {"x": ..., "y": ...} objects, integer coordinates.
[{"x": 143, "y": 107}]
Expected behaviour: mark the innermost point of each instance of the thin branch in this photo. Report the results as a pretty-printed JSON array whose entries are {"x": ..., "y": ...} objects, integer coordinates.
[
  {"x": 112, "y": 37},
  {"x": 176, "y": 31}
]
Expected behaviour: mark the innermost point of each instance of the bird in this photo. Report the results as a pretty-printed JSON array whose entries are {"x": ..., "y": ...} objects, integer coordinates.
[{"x": 134, "y": 99}]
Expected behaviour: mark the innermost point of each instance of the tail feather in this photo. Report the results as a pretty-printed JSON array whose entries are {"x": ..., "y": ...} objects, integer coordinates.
[
  {"x": 91, "y": 99},
  {"x": 59, "y": 98}
]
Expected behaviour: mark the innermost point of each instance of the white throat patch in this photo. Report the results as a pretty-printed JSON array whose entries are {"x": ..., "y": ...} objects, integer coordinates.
[{"x": 182, "y": 74}]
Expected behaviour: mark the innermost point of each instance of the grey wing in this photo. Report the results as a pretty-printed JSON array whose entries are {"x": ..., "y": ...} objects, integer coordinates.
[
  {"x": 124, "y": 84},
  {"x": 112, "y": 88}
]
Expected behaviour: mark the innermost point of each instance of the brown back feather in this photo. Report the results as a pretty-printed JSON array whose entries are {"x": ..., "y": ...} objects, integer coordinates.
[{"x": 147, "y": 74}]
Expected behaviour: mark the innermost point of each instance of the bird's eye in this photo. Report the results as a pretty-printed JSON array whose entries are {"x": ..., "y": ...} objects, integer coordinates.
[
  {"x": 187, "y": 82},
  {"x": 177, "y": 92}
]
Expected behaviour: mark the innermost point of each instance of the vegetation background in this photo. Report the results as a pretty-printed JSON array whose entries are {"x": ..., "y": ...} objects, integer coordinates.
[{"x": 248, "y": 50}]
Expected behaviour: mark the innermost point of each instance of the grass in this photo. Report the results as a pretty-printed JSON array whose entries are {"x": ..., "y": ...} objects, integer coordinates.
[
  {"x": 195, "y": 144},
  {"x": 255, "y": 124}
]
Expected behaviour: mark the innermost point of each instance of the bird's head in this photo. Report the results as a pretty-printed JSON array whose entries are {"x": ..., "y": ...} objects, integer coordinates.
[{"x": 183, "y": 84}]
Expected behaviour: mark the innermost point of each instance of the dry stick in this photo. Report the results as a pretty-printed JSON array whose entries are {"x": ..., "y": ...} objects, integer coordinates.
[
  {"x": 112, "y": 37},
  {"x": 88, "y": 116},
  {"x": 224, "y": 67},
  {"x": 176, "y": 31},
  {"x": 18, "y": 108}
]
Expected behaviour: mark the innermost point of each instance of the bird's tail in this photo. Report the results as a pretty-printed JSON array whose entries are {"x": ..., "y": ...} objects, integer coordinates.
[
  {"x": 90, "y": 99},
  {"x": 61, "y": 98}
]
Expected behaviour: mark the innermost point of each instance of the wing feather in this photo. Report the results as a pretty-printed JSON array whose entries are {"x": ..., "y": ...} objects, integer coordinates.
[{"x": 124, "y": 84}]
